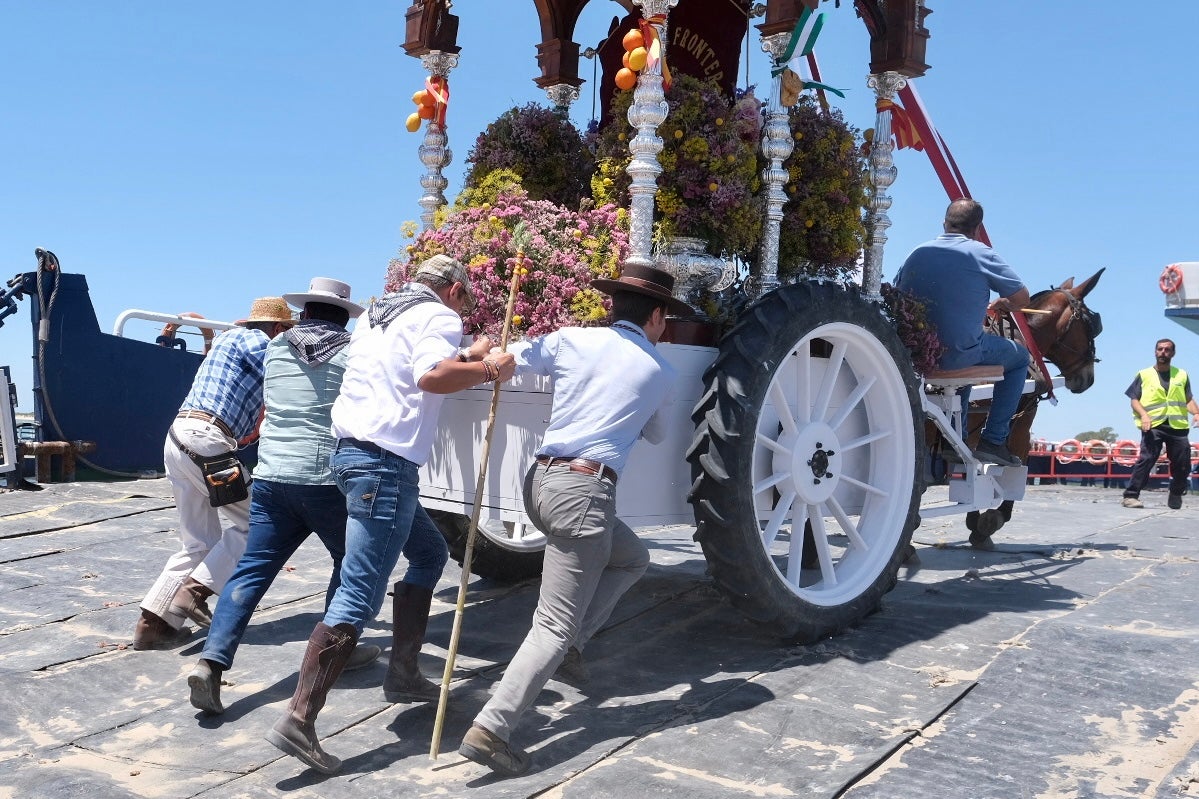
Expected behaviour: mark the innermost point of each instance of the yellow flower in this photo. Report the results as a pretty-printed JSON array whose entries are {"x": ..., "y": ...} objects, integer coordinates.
[
  {"x": 516, "y": 320},
  {"x": 809, "y": 222},
  {"x": 712, "y": 186},
  {"x": 719, "y": 121},
  {"x": 678, "y": 134},
  {"x": 798, "y": 135},
  {"x": 621, "y": 136}
]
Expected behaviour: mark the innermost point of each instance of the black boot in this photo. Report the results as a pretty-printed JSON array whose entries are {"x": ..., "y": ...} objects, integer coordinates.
[
  {"x": 328, "y": 650},
  {"x": 409, "y": 618}
]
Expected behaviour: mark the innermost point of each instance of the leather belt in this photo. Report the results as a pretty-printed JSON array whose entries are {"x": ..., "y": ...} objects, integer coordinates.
[
  {"x": 581, "y": 465},
  {"x": 207, "y": 417}
]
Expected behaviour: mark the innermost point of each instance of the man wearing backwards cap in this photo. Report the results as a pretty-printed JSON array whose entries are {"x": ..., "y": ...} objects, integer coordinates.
[
  {"x": 403, "y": 358},
  {"x": 294, "y": 493},
  {"x": 222, "y": 408},
  {"x": 610, "y": 388}
]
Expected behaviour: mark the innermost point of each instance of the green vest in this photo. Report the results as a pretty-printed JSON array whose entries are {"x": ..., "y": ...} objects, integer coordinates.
[{"x": 1164, "y": 405}]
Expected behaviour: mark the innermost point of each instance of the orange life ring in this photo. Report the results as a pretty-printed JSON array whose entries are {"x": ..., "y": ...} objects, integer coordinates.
[
  {"x": 1125, "y": 452},
  {"x": 1096, "y": 451},
  {"x": 169, "y": 329},
  {"x": 1171, "y": 279},
  {"x": 1069, "y": 451}
]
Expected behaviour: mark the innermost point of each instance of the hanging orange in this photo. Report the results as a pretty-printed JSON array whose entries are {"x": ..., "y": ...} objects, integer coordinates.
[
  {"x": 413, "y": 123},
  {"x": 637, "y": 58},
  {"x": 626, "y": 79},
  {"x": 633, "y": 39},
  {"x": 425, "y": 111},
  {"x": 624, "y": 59}
]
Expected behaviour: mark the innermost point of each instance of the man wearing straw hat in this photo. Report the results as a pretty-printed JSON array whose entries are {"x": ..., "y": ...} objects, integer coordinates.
[
  {"x": 403, "y": 358},
  {"x": 223, "y": 408},
  {"x": 294, "y": 493},
  {"x": 611, "y": 387}
]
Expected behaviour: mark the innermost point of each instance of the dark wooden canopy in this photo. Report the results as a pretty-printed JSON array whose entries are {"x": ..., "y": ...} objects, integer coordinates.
[{"x": 896, "y": 27}]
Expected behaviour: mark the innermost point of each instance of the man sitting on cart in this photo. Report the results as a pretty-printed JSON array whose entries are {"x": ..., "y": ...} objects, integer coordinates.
[{"x": 954, "y": 274}]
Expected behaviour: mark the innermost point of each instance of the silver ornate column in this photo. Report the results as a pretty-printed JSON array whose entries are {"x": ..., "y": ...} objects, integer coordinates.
[
  {"x": 648, "y": 110},
  {"x": 776, "y": 146},
  {"x": 882, "y": 175},
  {"x": 561, "y": 95},
  {"x": 433, "y": 152}
]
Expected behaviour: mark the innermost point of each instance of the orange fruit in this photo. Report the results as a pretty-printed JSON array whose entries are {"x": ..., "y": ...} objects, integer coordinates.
[
  {"x": 626, "y": 79},
  {"x": 425, "y": 112},
  {"x": 413, "y": 123},
  {"x": 624, "y": 59},
  {"x": 418, "y": 97},
  {"x": 633, "y": 39},
  {"x": 636, "y": 59}
]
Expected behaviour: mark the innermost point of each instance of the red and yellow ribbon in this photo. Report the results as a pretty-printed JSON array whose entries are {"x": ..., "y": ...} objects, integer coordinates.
[
  {"x": 902, "y": 127},
  {"x": 439, "y": 90},
  {"x": 653, "y": 45}
]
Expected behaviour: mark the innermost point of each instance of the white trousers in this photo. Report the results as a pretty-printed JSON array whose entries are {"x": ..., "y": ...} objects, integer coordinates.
[{"x": 209, "y": 551}]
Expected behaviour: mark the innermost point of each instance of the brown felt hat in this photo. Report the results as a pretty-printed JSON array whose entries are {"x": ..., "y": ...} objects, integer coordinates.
[{"x": 649, "y": 281}]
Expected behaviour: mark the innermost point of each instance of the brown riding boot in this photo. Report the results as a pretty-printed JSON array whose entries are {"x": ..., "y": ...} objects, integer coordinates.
[
  {"x": 409, "y": 618},
  {"x": 328, "y": 650},
  {"x": 151, "y": 632},
  {"x": 189, "y": 601}
]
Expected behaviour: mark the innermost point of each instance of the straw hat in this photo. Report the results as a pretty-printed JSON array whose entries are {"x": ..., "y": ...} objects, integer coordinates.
[
  {"x": 328, "y": 291},
  {"x": 269, "y": 309},
  {"x": 647, "y": 280}
]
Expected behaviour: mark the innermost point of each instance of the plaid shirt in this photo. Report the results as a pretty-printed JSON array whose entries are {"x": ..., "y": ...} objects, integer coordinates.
[{"x": 229, "y": 382}]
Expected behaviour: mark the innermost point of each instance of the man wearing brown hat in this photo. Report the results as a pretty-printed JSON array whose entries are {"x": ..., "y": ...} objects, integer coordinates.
[
  {"x": 403, "y": 358},
  {"x": 223, "y": 408},
  {"x": 611, "y": 387}
]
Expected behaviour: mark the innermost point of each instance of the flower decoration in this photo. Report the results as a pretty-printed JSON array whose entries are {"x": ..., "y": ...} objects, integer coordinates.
[
  {"x": 917, "y": 333},
  {"x": 822, "y": 232},
  {"x": 710, "y": 171},
  {"x": 542, "y": 147},
  {"x": 564, "y": 252}
]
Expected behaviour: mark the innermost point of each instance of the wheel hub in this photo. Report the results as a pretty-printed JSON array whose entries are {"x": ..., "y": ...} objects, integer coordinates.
[{"x": 815, "y": 463}]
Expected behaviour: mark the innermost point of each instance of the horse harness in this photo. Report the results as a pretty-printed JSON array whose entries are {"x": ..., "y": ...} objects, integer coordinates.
[{"x": 1078, "y": 311}]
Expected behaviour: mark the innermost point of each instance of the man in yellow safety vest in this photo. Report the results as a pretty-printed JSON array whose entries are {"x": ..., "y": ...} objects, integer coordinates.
[{"x": 1161, "y": 397}]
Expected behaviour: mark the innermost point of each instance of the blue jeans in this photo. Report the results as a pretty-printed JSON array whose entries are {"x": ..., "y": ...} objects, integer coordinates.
[
  {"x": 385, "y": 518},
  {"x": 1013, "y": 357},
  {"x": 281, "y": 517}
]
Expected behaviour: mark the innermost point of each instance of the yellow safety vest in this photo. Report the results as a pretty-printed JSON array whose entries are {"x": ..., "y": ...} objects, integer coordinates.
[{"x": 1164, "y": 405}]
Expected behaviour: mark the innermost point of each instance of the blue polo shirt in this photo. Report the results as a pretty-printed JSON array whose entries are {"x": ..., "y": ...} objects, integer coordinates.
[
  {"x": 228, "y": 383},
  {"x": 955, "y": 276}
]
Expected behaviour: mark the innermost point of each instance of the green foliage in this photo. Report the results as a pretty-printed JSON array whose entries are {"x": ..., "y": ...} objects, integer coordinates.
[{"x": 1105, "y": 434}]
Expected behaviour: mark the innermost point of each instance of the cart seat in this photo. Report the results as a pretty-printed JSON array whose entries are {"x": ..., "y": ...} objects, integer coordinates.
[{"x": 970, "y": 376}]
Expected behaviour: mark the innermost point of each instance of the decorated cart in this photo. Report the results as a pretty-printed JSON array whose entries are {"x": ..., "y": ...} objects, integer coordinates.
[{"x": 797, "y": 443}]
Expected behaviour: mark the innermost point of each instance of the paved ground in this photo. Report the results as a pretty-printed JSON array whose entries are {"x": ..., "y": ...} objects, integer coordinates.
[{"x": 1064, "y": 664}]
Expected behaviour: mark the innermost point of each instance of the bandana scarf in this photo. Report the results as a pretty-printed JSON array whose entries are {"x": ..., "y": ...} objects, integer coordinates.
[
  {"x": 316, "y": 341},
  {"x": 384, "y": 310}
]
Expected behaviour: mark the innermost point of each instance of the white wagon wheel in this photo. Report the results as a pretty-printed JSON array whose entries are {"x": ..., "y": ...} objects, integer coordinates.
[{"x": 810, "y": 422}]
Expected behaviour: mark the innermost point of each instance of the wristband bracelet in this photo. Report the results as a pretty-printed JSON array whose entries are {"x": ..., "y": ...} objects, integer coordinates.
[{"x": 489, "y": 371}]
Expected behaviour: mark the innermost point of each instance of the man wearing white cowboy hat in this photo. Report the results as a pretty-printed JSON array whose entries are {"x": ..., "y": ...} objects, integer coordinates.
[
  {"x": 223, "y": 408},
  {"x": 611, "y": 387},
  {"x": 294, "y": 493},
  {"x": 404, "y": 355}
]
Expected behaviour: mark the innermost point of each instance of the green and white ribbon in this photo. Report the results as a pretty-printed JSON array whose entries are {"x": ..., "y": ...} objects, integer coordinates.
[{"x": 795, "y": 57}]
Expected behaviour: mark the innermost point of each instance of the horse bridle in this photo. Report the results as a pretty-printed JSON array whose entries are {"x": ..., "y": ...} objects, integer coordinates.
[{"x": 1078, "y": 311}]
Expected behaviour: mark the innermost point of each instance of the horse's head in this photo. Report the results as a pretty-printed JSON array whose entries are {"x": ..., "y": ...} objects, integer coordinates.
[{"x": 1066, "y": 334}]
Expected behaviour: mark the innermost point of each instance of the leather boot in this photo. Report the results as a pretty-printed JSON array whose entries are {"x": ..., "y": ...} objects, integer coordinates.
[
  {"x": 328, "y": 650},
  {"x": 151, "y": 632},
  {"x": 189, "y": 601},
  {"x": 409, "y": 618}
]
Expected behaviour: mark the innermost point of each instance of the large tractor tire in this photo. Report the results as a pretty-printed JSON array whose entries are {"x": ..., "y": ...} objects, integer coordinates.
[
  {"x": 490, "y": 559},
  {"x": 810, "y": 421}
]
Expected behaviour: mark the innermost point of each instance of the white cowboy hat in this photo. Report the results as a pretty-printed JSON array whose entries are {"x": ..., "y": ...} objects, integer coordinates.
[{"x": 328, "y": 291}]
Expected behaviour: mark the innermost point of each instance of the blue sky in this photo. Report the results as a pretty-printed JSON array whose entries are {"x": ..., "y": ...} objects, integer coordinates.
[{"x": 192, "y": 157}]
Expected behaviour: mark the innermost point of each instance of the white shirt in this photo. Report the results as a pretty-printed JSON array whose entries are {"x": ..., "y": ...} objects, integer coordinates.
[
  {"x": 610, "y": 386},
  {"x": 379, "y": 399}
]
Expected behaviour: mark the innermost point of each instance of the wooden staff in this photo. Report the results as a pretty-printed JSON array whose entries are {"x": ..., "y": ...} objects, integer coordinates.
[{"x": 513, "y": 288}]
